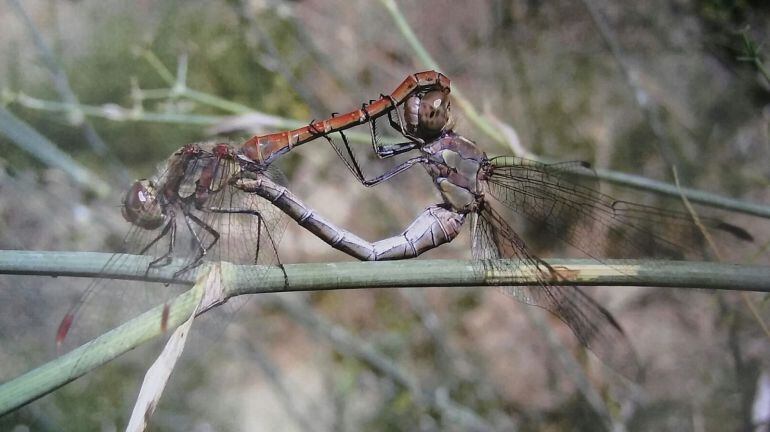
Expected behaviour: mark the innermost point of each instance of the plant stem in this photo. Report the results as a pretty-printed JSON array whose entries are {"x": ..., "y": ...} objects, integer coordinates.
[
  {"x": 215, "y": 101},
  {"x": 250, "y": 279},
  {"x": 54, "y": 374},
  {"x": 240, "y": 279}
]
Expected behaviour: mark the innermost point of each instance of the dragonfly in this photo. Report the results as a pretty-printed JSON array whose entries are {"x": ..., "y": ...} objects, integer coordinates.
[
  {"x": 208, "y": 183},
  {"x": 186, "y": 192},
  {"x": 193, "y": 189},
  {"x": 562, "y": 197}
]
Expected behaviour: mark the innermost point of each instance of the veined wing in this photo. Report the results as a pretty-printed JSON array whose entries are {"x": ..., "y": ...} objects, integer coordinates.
[
  {"x": 204, "y": 211},
  {"x": 564, "y": 198},
  {"x": 592, "y": 324}
]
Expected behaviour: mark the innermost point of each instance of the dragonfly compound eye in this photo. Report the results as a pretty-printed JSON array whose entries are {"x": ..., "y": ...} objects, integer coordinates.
[
  {"x": 429, "y": 115},
  {"x": 141, "y": 206}
]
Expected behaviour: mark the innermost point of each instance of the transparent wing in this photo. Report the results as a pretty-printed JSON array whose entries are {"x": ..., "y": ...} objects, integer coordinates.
[
  {"x": 207, "y": 214},
  {"x": 593, "y": 325},
  {"x": 230, "y": 224},
  {"x": 564, "y": 199}
]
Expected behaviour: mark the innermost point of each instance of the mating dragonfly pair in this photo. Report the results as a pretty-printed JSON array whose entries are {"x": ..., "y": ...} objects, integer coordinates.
[{"x": 230, "y": 200}]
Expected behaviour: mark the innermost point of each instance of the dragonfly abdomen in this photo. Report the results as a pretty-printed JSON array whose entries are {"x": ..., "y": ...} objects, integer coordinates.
[{"x": 435, "y": 226}]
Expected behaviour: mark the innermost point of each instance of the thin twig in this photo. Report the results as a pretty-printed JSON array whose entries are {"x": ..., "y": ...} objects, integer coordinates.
[
  {"x": 117, "y": 113},
  {"x": 753, "y": 54},
  {"x": 178, "y": 86},
  {"x": 47, "y": 152},
  {"x": 218, "y": 124}
]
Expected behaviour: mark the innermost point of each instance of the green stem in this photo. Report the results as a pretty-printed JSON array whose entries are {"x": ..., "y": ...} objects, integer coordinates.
[
  {"x": 117, "y": 113},
  {"x": 242, "y": 279},
  {"x": 761, "y": 67},
  {"x": 179, "y": 87},
  {"x": 239, "y": 280},
  {"x": 158, "y": 65},
  {"x": 54, "y": 374},
  {"x": 215, "y": 101}
]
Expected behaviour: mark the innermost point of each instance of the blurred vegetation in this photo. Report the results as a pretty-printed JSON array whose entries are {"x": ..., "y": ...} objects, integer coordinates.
[{"x": 684, "y": 85}]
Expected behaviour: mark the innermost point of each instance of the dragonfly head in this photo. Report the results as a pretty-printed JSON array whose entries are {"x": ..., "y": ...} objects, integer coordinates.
[
  {"x": 141, "y": 206},
  {"x": 429, "y": 114}
]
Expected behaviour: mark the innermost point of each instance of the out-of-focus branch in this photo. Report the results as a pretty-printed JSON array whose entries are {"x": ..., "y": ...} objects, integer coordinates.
[
  {"x": 48, "y": 153},
  {"x": 427, "y": 61},
  {"x": 753, "y": 55},
  {"x": 62, "y": 86},
  {"x": 642, "y": 98},
  {"x": 115, "y": 112},
  {"x": 349, "y": 344}
]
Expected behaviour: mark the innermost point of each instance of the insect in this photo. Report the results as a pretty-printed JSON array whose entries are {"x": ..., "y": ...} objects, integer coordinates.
[
  {"x": 209, "y": 186},
  {"x": 192, "y": 188}
]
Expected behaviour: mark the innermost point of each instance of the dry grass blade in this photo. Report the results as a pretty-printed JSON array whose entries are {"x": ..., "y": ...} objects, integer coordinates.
[{"x": 209, "y": 293}]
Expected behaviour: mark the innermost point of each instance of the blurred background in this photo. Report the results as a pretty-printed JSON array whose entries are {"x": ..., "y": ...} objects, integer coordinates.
[{"x": 115, "y": 87}]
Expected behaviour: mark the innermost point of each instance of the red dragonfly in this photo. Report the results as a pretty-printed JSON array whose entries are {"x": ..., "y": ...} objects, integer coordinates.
[{"x": 193, "y": 188}]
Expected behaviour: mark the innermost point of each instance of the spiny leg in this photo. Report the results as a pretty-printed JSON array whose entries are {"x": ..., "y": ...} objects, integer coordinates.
[
  {"x": 351, "y": 163},
  {"x": 202, "y": 250},
  {"x": 353, "y": 166},
  {"x": 386, "y": 175},
  {"x": 170, "y": 227},
  {"x": 383, "y": 151}
]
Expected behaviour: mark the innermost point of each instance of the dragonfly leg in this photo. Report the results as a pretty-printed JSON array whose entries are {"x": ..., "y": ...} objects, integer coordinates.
[
  {"x": 352, "y": 164},
  {"x": 383, "y": 151},
  {"x": 202, "y": 250},
  {"x": 166, "y": 257},
  {"x": 395, "y": 171},
  {"x": 437, "y": 225},
  {"x": 260, "y": 227},
  {"x": 393, "y": 150}
]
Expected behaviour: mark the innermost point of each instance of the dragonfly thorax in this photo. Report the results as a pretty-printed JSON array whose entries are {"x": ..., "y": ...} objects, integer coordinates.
[
  {"x": 454, "y": 164},
  {"x": 429, "y": 114},
  {"x": 141, "y": 206}
]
